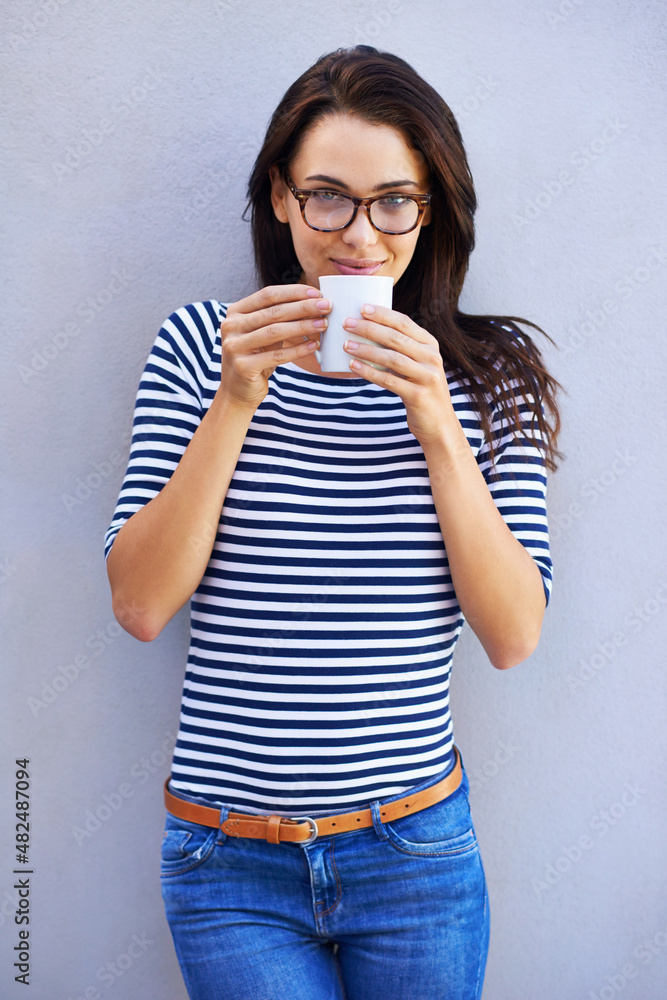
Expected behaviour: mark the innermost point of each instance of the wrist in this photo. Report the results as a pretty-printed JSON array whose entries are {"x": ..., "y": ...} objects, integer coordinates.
[
  {"x": 225, "y": 407},
  {"x": 448, "y": 448}
]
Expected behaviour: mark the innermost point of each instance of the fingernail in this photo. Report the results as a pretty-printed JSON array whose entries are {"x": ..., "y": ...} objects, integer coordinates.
[
  {"x": 355, "y": 364},
  {"x": 350, "y": 345},
  {"x": 324, "y": 305},
  {"x": 319, "y": 324},
  {"x": 313, "y": 293},
  {"x": 368, "y": 308},
  {"x": 350, "y": 323}
]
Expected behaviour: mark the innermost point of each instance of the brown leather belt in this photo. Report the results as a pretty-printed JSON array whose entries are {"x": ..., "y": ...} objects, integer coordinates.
[{"x": 305, "y": 829}]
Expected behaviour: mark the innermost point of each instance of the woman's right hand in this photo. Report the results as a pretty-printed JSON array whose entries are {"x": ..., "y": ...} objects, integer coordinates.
[
  {"x": 277, "y": 324},
  {"x": 161, "y": 552}
]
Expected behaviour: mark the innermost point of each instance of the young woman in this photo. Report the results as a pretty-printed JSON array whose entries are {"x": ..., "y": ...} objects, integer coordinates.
[{"x": 332, "y": 532}]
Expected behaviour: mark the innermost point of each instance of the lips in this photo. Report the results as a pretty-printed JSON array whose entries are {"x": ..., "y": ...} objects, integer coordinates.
[{"x": 354, "y": 266}]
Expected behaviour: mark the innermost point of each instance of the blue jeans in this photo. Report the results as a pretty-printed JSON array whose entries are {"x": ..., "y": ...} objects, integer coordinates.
[{"x": 398, "y": 911}]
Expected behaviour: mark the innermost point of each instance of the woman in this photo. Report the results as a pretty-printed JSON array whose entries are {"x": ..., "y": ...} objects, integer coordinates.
[{"x": 333, "y": 530}]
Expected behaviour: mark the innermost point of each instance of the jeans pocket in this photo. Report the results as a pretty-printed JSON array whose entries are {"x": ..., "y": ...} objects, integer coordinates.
[
  {"x": 443, "y": 829},
  {"x": 185, "y": 846}
]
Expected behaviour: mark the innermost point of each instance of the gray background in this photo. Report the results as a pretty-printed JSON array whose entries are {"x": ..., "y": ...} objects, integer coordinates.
[{"x": 131, "y": 129}]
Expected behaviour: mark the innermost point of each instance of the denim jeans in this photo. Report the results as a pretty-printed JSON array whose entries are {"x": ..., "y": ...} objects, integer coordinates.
[{"x": 398, "y": 911}]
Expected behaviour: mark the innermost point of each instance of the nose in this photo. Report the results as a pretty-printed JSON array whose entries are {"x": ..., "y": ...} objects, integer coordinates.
[{"x": 360, "y": 234}]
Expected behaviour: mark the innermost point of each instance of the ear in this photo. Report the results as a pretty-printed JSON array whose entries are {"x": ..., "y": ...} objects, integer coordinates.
[{"x": 279, "y": 194}]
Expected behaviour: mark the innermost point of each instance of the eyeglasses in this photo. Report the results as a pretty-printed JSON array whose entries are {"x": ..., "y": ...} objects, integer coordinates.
[{"x": 327, "y": 211}]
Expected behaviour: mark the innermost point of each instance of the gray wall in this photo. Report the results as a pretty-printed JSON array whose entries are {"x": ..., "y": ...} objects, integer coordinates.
[{"x": 130, "y": 131}]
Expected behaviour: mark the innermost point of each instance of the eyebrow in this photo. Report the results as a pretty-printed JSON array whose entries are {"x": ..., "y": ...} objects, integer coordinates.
[{"x": 379, "y": 187}]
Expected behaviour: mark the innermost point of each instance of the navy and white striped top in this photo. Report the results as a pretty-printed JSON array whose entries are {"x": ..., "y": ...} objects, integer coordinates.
[{"x": 323, "y": 629}]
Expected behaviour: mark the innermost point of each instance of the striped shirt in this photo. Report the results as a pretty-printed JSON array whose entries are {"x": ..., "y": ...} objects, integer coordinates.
[{"x": 323, "y": 630}]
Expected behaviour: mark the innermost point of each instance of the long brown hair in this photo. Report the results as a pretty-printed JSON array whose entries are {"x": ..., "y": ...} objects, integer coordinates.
[{"x": 495, "y": 358}]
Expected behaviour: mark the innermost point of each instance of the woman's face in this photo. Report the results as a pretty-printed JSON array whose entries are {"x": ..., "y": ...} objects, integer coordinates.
[{"x": 347, "y": 154}]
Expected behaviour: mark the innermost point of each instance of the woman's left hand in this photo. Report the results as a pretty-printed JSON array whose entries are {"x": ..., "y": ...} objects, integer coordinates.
[
  {"x": 498, "y": 585},
  {"x": 416, "y": 372}
]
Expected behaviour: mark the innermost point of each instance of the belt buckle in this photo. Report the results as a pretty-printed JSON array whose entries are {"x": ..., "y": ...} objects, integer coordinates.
[{"x": 314, "y": 832}]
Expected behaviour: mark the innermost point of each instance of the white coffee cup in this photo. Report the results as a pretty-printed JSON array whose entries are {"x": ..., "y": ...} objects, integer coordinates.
[{"x": 347, "y": 294}]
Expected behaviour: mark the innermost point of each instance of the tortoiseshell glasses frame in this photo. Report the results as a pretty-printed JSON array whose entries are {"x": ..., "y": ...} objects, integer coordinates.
[{"x": 302, "y": 195}]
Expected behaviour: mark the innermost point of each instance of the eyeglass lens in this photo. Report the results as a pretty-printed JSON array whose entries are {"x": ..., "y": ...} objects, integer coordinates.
[{"x": 328, "y": 210}]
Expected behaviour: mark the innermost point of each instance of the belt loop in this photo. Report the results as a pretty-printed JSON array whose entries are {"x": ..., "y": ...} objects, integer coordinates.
[
  {"x": 378, "y": 825},
  {"x": 224, "y": 812}
]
